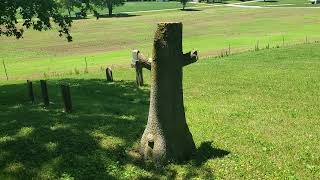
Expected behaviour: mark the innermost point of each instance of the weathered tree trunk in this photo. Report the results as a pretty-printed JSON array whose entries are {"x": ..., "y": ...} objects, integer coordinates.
[
  {"x": 167, "y": 136},
  {"x": 110, "y": 8}
]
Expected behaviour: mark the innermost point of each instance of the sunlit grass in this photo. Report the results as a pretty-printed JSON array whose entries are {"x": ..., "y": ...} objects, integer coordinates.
[
  {"x": 109, "y": 41},
  {"x": 253, "y": 115}
]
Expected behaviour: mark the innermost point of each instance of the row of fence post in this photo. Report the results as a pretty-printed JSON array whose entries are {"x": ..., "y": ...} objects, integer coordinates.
[{"x": 65, "y": 92}]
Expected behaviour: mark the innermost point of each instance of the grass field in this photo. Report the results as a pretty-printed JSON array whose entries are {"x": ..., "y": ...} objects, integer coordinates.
[
  {"x": 110, "y": 40},
  {"x": 253, "y": 115},
  {"x": 284, "y": 3},
  {"x": 144, "y": 6}
]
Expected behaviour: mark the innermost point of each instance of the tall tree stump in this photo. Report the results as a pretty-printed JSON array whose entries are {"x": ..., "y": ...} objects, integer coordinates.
[
  {"x": 66, "y": 97},
  {"x": 30, "y": 91},
  {"x": 44, "y": 90},
  {"x": 167, "y": 136},
  {"x": 109, "y": 74}
]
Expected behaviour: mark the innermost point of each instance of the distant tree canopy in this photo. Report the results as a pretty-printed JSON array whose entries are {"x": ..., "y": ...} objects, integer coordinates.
[
  {"x": 110, "y": 4},
  {"x": 35, "y": 14}
]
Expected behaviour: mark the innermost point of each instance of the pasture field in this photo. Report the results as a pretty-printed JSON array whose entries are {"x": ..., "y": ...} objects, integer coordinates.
[
  {"x": 253, "y": 115},
  {"x": 110, "y": 40}
]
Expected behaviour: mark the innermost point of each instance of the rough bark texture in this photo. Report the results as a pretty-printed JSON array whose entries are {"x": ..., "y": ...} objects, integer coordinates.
[{"x": 167, "y": 136}]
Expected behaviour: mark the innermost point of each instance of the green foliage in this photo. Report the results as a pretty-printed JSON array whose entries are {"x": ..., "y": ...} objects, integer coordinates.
[
  {"x": 70, "y": 5},
  {"x": 35, "y": 14},
  {"x": 110, "y": 4}
]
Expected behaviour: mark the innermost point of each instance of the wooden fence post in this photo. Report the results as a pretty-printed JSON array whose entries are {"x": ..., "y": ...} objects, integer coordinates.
[
  {"x": 30, "y": 91},
  {"x": 109, "y": 74},
  {"x": 138, "y": 66},
  {"x": 139, "y": 74},
  {"x": 66, "y": 97},
  {"x": 44, "y": 90}
]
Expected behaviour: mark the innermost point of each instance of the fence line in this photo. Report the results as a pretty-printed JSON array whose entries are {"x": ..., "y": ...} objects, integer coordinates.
[{"x": 224, "y": 52}]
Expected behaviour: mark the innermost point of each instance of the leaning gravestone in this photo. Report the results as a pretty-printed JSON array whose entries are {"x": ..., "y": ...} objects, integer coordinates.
[{"x": 167, "y": 136}]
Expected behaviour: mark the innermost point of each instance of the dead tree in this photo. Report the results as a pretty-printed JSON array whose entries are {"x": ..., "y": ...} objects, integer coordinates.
[
  {"x": 167, "y": 136},
  {"x": 139, "y": 61}
]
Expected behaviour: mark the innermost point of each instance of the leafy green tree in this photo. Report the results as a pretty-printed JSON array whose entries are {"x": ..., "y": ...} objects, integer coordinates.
[
  {"x": 110, "y": 4},
  {"x": 70, "y": 5},
  {"x": 184, "y": 3},
  {"x": 35, "y": 14}
]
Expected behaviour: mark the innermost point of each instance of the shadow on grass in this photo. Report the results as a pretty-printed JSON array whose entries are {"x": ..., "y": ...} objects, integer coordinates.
[
  {"x": 78, "y": 18},
  {"x": 206, "y": 152},
  {"x": 92, "y": 142},
  {"x": 46, "y": 143},
  {"x": 190, "y": 10},
  {"x": 119, "y": 15},
  {"x": 269, "y": 1}
]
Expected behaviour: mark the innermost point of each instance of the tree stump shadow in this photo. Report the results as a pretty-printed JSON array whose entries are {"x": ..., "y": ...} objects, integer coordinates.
[{"x": 206, "y": 151}]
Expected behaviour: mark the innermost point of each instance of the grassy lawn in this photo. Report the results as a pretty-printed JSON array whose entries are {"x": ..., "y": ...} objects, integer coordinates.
[
  {"x": 144, "y": 6},
  {"x": 253, "y": 115},
  {"x": 284, "y": 3},
  {"x": 110, "y": 40}
]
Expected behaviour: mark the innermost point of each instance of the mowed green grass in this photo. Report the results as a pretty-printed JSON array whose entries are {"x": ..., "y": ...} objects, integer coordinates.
[
  {"x": 143, "y": 6},
  {"x": 282, "y": 3},
  {"x": 147, "y": 6},
  {"x": 109, "y": 41},
  {"x": 253, "y": 115}
]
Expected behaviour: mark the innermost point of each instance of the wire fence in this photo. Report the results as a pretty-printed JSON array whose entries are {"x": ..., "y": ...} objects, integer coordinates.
[{"x": 8, "y": 73}]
